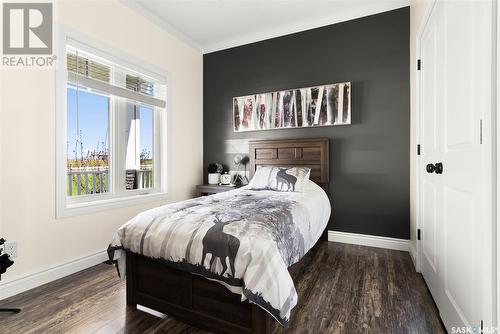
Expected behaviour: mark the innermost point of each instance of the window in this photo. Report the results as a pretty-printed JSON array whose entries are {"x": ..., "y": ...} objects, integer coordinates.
[
  {"x": 139, "y": 147},
  {"x": 87, "y": 158},
  {"x": 114, "y": 130}
]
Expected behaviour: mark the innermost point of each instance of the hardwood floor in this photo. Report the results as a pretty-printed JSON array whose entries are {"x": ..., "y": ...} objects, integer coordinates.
[{"x": 342, "y": 289}]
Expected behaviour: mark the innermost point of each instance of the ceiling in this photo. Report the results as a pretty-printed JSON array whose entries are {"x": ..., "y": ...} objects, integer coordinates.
[{"x": 212, "y": 25}]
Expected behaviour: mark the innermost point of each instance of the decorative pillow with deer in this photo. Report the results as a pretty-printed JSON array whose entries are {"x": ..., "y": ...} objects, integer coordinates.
[{"x": 280, "y": 178}]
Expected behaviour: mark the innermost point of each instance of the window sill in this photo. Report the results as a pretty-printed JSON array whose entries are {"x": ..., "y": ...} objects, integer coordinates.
[{"x": 76, "y": 209}]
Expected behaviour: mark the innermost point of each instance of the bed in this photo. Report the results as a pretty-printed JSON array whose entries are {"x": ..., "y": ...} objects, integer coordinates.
[{"x": 204, "y": 283}]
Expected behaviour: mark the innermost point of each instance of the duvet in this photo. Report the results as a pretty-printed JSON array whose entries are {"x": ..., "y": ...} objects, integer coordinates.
[{"x": 244, "y": 239}]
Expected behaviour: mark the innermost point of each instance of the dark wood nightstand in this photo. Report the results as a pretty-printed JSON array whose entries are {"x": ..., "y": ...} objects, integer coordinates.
[{"x": 210, "y": 189}]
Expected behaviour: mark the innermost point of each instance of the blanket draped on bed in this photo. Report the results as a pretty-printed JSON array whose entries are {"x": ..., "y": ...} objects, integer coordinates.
[{"x": 245, "y": 240}]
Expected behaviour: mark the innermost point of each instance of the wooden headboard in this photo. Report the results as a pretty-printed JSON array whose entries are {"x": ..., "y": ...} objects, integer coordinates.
[{"x": 309, "y": 152}]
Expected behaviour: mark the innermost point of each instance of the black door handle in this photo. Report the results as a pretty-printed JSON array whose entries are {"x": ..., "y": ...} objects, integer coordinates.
[{"x": 438, "y": 168}]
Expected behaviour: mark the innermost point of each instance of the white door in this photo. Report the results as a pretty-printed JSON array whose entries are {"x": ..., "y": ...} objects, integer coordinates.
[{"x": 455, "y": 101}]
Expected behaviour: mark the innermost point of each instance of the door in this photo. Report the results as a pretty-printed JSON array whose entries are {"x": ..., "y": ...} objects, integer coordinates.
[{"x": 455, "y": 101}]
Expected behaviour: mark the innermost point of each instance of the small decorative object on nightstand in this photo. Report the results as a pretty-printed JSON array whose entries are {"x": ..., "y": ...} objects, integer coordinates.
[
  {"x": 225, "y": 179},
  {"x": 240, "y": 180},
  {"x": 214, "y": 171},
  {"x": 210, "y": 189}
]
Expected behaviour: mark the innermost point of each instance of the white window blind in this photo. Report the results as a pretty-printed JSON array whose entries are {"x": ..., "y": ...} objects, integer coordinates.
[
  {"x": 92, "y": 72},
  {"x": 87, "y": 67},
  {"x": 138, "y": 84}
]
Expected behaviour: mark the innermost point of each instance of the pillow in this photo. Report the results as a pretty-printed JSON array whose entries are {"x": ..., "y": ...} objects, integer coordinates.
[{"x": 280, "y": 178}]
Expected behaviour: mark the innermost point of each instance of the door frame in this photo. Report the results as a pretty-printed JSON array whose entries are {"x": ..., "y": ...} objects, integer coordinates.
[
  {"x": 491, "y": 185},
  {"x": 496, "y": 159},
  {"x": 418, "y": 135}
]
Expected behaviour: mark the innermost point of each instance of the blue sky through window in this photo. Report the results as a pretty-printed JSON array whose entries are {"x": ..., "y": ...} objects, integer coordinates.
[
  {"x": 146, "y": 131},
  {"x": 93, "y": 119}
]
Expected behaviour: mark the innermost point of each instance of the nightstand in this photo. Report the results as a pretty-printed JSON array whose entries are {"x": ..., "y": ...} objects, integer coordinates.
[{"x": 210, "y": 189}]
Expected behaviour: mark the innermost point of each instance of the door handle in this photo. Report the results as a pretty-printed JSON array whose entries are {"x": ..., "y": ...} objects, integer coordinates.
[
  {"x": 430, "y": 168},
  {"x": 438, "y": 168}
]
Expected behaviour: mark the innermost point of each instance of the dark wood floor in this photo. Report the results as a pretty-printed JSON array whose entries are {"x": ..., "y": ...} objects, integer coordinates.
[{"x": 342, "y": 289}]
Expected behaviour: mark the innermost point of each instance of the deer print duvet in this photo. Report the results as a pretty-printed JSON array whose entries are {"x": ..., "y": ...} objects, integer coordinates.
[{"x": 244, "y": 239}]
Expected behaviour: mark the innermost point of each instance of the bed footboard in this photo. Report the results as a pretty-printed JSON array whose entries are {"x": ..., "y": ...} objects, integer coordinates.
[{"x": 191, "y": 298}]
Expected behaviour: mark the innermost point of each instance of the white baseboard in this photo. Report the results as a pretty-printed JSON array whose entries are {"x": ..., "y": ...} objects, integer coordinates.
[
  {"x": 11, "y": 288},
  {"x": 369, "y": 240}
]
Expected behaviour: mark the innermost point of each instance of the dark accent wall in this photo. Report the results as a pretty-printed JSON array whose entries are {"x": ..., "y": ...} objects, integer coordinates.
[{"x": 370, "y": 159}]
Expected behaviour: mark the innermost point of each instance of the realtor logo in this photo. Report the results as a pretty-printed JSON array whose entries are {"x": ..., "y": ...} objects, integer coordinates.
[{"x": 27, "y": 28}]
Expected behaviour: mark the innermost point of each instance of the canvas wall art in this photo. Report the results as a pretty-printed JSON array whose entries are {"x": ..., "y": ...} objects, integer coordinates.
[{"x": 294, "y": 108}]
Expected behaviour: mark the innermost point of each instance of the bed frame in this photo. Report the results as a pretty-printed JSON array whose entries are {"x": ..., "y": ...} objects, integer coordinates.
[{"x": 208, "y": 304}]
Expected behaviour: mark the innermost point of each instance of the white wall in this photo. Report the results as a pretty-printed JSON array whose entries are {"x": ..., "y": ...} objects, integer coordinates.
[
  {"x": 27, "y": 139},
  {"x": 417, "y": 10}
]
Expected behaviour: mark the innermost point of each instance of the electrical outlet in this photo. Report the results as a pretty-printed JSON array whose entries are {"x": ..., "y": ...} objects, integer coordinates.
[{"x": 10, "y": 247}]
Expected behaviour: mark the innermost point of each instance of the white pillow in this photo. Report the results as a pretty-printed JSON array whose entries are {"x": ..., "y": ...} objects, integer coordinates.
[{"x": 280, "y": 178}]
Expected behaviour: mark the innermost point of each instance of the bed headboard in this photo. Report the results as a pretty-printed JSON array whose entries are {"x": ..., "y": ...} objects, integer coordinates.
[{"x": 309, "y": 152}]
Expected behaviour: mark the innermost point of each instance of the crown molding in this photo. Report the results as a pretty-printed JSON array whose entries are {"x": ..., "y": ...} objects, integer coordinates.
[
  {"x": 355, "y": 13},
  {"x": 155, "y": 19},
  {"x": 375, "y": 7}
]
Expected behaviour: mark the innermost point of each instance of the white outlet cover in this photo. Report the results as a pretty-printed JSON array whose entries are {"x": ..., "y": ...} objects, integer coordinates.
[{"x": 11, "y": 249}]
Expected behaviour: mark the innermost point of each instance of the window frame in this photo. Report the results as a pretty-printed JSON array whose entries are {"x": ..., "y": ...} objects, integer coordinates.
[{"x": 116, "y": 196}]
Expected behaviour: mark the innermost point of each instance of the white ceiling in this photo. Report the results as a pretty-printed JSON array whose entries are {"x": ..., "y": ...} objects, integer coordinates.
[{"x": 212, "y": 25}]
